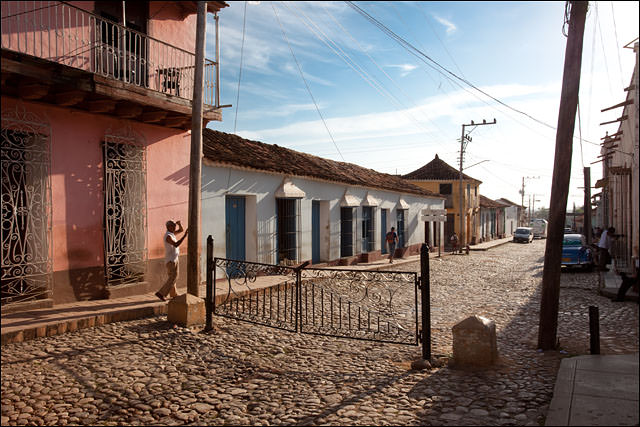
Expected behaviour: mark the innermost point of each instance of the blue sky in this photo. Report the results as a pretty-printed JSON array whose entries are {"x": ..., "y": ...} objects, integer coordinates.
[{"x": 384, "y": 108}]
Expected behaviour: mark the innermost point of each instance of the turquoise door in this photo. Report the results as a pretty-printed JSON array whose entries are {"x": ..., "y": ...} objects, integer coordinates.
[
  {"x": 315, "y": 232},
  {"x": 235, "y": 227},
  {"x": 383, "y": 230}
]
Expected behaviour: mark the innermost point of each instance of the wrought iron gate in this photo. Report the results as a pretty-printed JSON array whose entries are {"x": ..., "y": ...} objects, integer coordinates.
[
  {"x": 26, "y": 207},
  {"x": 125, "y": 204},
  {"x": 366, "y": 305}
]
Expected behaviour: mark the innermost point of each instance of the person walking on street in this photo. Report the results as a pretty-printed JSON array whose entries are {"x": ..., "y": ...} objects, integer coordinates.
[
  {"x": 454, "y": 242},
  {"x": 604, "y": 248},
  {"x": 392, "y": 240},
  {"x": 171, "y": 254}
]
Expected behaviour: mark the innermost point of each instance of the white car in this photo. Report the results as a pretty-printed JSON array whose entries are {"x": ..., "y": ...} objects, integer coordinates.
[{"x": 523, "y": 234}]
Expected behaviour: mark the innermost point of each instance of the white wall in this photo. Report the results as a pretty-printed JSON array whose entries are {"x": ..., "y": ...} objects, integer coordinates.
[
  {"x": 510, "y": 220},
  {"x": 260, "y": 189}
]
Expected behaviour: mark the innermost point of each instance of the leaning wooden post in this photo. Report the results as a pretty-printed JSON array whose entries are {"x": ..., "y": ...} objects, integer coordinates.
[{"x": 549, "y": 300}]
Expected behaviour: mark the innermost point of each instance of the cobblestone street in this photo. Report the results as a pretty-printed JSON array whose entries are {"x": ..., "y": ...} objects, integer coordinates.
[{"x": 147, "y": 372}]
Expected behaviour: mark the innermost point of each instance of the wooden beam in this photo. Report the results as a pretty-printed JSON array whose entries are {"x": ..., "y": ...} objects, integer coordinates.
[
  {"x": 128, "y": 110},
  {"x": 101, "y": 105},
  {"x": 619, "y": 119},
  {"x": 612, "y": 135},
  {"x": 153, "y": 116},
  {"x": 33, "y": 90},
  {"x": 175, "y": 121},
  {"x": 69, "y": 98},
  {"x": 622, "y": 104}
]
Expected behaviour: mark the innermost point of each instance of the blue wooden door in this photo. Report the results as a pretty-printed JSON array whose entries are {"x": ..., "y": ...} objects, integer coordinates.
[
  {"x": 235, "y": 227},
  {"x": 383, "y": 230},
  {"x": 315, "y": 232}
]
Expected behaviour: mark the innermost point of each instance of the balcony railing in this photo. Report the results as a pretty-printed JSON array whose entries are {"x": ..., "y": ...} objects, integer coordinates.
[{"x": 65, "y": 34}]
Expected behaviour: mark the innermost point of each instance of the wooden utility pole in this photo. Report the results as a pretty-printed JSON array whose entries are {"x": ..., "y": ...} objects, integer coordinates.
[
  {"x": 587, "y": 205},
  {"x": 195, "y": 165},
  {"x": 561, "y": 175}
]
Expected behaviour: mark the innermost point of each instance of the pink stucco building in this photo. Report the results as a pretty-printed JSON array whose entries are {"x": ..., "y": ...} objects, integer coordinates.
[{"x": 96, "y": 112}]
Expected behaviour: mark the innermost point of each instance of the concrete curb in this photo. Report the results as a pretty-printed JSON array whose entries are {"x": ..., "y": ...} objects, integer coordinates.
[{"x": 16, "y": 334}]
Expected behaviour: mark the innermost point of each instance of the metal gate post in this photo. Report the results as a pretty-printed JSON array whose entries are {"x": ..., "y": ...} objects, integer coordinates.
[
  {"x": 298, "y": 301},
  {"x": 208, "y": 301},
  {"x": 425, "y": 295}
]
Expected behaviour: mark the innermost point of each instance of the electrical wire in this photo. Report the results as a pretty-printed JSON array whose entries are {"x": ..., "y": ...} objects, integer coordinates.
[
  {"x": 615, "y": 31},
  {"x": 440, "y": 69},
  {"x": 379, "y": 67},
  {"x": 349, "y": 61},
  {"x": 244, "y": 24},
  {"x": 305, "y": 81}
]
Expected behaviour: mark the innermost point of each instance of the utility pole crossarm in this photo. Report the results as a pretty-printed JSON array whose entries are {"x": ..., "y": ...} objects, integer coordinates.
[{"x": 463, "y": 146}]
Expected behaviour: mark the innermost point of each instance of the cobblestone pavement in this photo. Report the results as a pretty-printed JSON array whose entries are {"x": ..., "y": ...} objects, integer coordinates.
[{"x": 149, "y": 372}]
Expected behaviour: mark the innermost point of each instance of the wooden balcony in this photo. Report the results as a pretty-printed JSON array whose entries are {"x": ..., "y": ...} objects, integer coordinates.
[{"x": 58, "y": 54}]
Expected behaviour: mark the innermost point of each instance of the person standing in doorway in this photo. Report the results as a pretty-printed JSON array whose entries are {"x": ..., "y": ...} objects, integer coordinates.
[
  {"x": 604, "y": 248},
  {"x": 392, "y": 240},
  {"x": 171, "y": 254}
]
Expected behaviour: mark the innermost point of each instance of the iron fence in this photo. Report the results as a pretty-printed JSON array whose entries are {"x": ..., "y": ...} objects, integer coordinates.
[{"x": 357, "y": 304}]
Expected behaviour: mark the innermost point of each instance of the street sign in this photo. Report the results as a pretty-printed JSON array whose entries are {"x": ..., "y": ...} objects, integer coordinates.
[
  {"x": 436, "y": 212},
  {"x": 433, "y": 218}
]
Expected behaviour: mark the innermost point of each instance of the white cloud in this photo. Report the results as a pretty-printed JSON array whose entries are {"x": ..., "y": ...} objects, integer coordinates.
[
  {"x": 451, "y": 27},
  {"x": 405, "y": 69}
]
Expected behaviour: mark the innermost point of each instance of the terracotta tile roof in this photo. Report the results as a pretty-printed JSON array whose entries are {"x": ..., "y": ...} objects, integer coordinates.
[
  {"x": 507, "y": 202},
  {"x": 437, "y": 169},
  {"x": 486, "y": 202},
  {"x": 230, "y": 149}
]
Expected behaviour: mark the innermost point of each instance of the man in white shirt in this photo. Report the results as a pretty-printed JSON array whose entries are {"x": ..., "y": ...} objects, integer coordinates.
[
  {"x": 171, "y": 255},
  {"x": 604, "y": 246}
]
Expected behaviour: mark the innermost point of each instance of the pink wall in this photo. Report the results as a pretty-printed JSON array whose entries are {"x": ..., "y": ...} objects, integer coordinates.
[
  {"x": 166, "y": 23},
  {"x": 77, "y": 177}
]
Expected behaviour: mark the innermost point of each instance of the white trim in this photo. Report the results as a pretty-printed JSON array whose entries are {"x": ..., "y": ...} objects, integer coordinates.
[
  {"x": 349, "y": 200},
  {"x": 402, "y": 204},
  {"x": 288, "y": 190},
  {"x": 370, "y": 201}
]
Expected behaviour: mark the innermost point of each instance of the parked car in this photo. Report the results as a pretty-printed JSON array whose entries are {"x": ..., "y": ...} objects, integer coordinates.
[
  {"x": 568, "y": 230},
  {"x": 523, "y": 234},
  {"x": 576, "y": 252}
]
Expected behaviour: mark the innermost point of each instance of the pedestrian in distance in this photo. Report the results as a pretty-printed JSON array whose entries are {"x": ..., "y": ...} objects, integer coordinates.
[
  {"x": 171, "y": 255},
  {"x": 454, "y": 242},
  {"x": 604, "y": 248},
  {"x": 392, "y": 240}
]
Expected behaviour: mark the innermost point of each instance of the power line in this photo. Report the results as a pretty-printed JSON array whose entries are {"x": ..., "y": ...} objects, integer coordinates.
[
  {"x": 422, "y": 56},
  {"x": 412, "y": 48},
  {"x": 349, "y": 61},
  {"x": 615, "y": 31},
  {"x": 305, "y": 81},
  {"x": 244, "y": 22},
  {"x": 377, "y": 65}
]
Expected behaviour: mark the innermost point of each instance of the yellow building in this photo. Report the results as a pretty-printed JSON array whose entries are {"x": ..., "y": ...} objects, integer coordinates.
[{"x": 440, "y": 177}]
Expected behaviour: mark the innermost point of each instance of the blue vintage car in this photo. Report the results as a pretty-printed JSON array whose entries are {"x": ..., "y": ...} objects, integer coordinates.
[{"x": 575, "y": 252}]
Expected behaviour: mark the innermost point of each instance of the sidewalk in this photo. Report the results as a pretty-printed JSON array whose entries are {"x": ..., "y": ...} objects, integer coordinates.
[{"x": 596, "y": 391}]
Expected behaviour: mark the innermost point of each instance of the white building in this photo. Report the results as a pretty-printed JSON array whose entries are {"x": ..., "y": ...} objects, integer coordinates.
[
  {"x": 270, "y": 204},
  {"x": 511, "y": 216}
]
